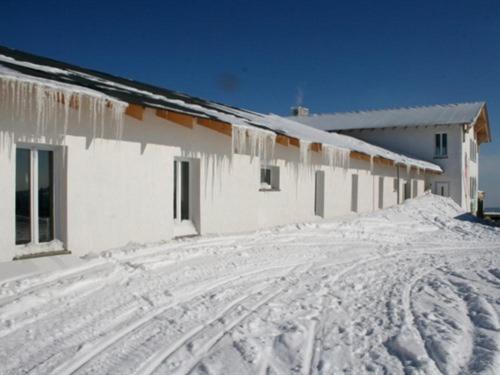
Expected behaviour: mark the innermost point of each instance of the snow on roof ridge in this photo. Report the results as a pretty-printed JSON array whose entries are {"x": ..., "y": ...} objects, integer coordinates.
[
  {"x": 233, "y": 115},
  {"x": 416, "y": 107}
]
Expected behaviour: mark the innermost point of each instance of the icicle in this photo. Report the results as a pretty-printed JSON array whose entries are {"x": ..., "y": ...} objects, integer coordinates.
[
  {"x": 371, "y": 163},
  {"x": 304, "y": 150},
  {"x": 255, "y": 142},
  {"x": 239, "y": 140},
  {"x": 46, "y": 104},
  {"x": 408, "y": 168},
  {"x": 336, "y": 157}
]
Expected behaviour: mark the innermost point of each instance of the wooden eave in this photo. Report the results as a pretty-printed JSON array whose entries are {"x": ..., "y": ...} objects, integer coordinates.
[
  {"x": 189, "y": 121},
  {"x": 482, "y": 127}
]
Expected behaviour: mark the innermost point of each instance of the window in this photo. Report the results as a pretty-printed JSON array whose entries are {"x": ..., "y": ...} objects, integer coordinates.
[
  {"x": 269, "y": 178},
  {"x": 473, "y": 150},
  {"x": 395, "y": 184},
  {"x": 441, "y": 145},
  {"x": 473, "y": 188},
  {"x": 34, "y": 196}
]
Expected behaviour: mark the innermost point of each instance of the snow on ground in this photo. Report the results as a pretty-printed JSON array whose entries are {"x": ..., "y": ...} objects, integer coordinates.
[{"x": 413, "y": 289}]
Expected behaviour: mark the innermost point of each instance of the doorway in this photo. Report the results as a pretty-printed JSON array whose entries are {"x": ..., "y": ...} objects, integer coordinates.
[
  {"x": 443, "y": 189},
  {"x": 185, "y": 201}
]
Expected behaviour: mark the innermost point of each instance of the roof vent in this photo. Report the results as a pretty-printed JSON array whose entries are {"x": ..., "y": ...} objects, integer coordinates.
[{"x": 300, "y": 111}]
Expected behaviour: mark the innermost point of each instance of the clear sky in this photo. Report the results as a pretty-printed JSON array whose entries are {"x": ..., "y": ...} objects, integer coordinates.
[{"x": 269, "y": 55}]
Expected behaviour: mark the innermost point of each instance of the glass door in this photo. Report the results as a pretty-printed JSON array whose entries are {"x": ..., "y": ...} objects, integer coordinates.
[
  {"x": 34, "y": 196},
  {"x": 181, "y": 190}
]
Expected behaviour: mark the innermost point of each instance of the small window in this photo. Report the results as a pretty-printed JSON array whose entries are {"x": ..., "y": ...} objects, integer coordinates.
[
  {"x": 269, "y": 178},
  {"x": 441, "y": 145},
  {"x": 473, "y": 150},
  {"x": 395, "y": 184}
]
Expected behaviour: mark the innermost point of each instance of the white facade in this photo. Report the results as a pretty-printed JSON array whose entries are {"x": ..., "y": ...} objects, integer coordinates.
[
  {"x": 420, "y": 142},
  {"x": 110, "y": 192}
]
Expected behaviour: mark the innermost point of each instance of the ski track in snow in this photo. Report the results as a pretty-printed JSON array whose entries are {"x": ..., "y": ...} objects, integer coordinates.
[{"x": 407, "y": 290}]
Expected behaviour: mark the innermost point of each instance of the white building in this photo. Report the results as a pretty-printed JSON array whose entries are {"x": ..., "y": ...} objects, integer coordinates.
[
  {"x": 89, "y": 162},
  {"x": 447, "y": 135}
]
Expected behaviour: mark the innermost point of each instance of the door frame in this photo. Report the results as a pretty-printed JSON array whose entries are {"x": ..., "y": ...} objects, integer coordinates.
[
  {"x": 447, "y": 183},
  {"x": 186, "y": 227},
  {"x": 56, "y": 190}
]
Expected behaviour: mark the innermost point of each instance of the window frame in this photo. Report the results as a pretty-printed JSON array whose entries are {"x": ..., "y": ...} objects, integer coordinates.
[
  {"x": 56, "y": 229},
  {"x": 440, "y": 145},
  {"x": 274, "y": 179}
]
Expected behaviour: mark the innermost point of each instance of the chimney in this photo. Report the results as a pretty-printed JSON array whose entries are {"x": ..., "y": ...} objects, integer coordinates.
[{"x": 300, "y": 111}]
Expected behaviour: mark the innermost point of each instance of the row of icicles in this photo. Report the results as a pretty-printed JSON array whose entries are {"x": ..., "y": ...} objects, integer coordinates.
[
  {"x": 39, "y": 103},
  {"x": 28, "y": 98},
  {"x": 261, "y": 143}
]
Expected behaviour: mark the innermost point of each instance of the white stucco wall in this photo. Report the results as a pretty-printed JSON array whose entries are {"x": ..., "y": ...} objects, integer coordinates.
[
  {"x": 419, "y": 142},
  {"x": 115, "y": 192}
]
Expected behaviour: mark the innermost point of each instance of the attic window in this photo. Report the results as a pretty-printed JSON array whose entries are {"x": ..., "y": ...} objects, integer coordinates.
[{"x": 269, "y": 178}]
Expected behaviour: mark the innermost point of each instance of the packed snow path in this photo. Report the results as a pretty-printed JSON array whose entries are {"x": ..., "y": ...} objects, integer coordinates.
[{"x": 413, "y": 289}]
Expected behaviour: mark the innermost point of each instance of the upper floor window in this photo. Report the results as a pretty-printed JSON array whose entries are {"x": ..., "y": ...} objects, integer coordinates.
[
  {"x": 441, "y": 145},
  {"x": 473, "y": 150}
]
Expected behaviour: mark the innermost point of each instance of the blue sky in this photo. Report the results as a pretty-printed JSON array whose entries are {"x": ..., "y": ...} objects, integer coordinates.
[{"x": 269, "y": 55}]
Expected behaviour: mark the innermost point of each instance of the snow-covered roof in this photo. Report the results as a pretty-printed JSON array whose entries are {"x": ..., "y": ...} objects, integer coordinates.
[
  {"x": 25, "y": 66},
  {"x": 451, "y": 114}
]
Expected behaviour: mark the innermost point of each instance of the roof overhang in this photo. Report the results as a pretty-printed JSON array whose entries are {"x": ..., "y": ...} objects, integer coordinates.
[{"x": 481, "y": 125}]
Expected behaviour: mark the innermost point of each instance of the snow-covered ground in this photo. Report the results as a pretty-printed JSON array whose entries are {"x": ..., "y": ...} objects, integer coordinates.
[{"x": 411, "y": 289}]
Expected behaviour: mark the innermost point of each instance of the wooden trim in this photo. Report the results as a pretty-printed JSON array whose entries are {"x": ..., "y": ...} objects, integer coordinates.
[
  {"x": 282, "y": 140},
  {"x": 316, "y": 147},
  {"x": 360, "y": 156},
  {"x": 294, "y": 141},
  {"x": 136, "y": 111},
  {"x": 383, "y": 161},
  {"x": 187, "y": 121},
  {"x": 216, "y": 125}
]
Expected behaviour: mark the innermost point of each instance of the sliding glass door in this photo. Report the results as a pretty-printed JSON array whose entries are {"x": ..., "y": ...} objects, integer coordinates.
[{"x": 34, "y": 195}]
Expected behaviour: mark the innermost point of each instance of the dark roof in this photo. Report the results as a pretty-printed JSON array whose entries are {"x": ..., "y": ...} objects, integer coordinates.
[{"x": 104, "y": 83}]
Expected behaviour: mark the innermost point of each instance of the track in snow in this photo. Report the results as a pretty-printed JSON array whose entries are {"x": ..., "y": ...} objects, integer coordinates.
[{"x": 409, "y": 289}]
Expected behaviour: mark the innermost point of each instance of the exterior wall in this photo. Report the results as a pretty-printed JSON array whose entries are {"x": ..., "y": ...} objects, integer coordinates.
[
  {"x": 115, "y": 192},
  {"x": 419, "y": 142},
  {"x": 470, "y": 169}
]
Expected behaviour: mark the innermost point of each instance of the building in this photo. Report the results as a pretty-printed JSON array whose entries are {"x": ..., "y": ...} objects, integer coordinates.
[
  {"x": 447, "y": 135},
  {"x": 90, "y": 161}
]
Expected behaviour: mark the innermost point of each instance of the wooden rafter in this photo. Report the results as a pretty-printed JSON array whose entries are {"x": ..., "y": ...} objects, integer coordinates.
[
  {"x": 383, "y": 161},
  {"x": 294, "y": 141},
  {"x": 316, "y": 147},
  {"x": 135, "y": 110},
  {"x": 216, "y": 125},
  {"x": 360, "y": 156},
  {"x": 187, "y": 121},
  {"x": 282, "y": 140}
]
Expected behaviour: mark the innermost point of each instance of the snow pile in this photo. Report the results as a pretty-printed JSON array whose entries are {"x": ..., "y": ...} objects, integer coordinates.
[{"x": 411, "y": 289}]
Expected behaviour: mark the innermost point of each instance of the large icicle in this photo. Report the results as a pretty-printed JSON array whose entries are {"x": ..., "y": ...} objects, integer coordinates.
[
  {"x": 255, "y": 142},
  {"x": 304, "y": 150},
  {"x": 48, "y": 104},
  {"x": 336, "y": 157}
]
